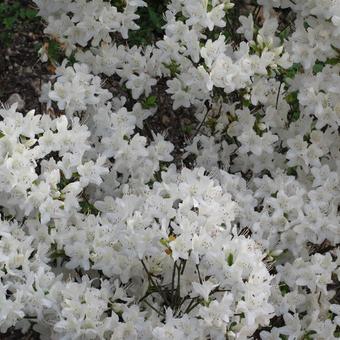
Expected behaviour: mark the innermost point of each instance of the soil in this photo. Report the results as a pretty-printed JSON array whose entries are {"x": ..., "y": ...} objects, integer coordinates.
[
  {"x": 21, "y": 71},
  {"x": 17, "y": 335}
]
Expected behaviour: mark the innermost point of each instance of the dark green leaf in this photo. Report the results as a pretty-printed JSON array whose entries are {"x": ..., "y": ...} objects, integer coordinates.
[{"x": 230, "y": 259}]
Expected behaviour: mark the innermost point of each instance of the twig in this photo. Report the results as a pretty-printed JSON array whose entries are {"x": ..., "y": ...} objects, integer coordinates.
[
  {"x": 155, "y": 284},
  {"x": 178, "y": 290},
  {"x": 188, "y": 310},
  {"x": 278, "y": 95},
  {"x": 155, "y": 309},
  {"x": 173, "y": 283},
  {"x": 199, "y": 274},
  {"x": 201, "y": 124}
]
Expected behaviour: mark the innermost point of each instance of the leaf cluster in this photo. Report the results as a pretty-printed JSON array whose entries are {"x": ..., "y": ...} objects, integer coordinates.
[{"x": 13, "y": 14}]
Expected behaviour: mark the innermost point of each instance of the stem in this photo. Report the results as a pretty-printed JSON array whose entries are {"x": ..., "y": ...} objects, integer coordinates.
[
  {"x": 180, "y": 305},
  {"x": 178, "y": 291},
  {"x": 145, "y": 296},
  {"x": 173, "y": 283},
  {"x": 278, "y": 95},
  {"x": 257, "y": 13},
  {"x": 182, "y": 271},
  {"x": 202, "y": 122},
  {"x": 188, "y": 308},
  {"x": 199, "y": 274},
  {"x": 156, "y": 285},
  {"x": 155, "y": 309},
  {"x": 193, "y": 306}
]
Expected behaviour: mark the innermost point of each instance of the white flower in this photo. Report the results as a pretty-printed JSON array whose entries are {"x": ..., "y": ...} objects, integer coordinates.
[
  {"x": 247, "y": 26},
  {"x": 203, "y": 289},
  {"x": 179, "y": 95},
  {"x": 91, "y": 172},
  {"x": 212, "y": 50},
  {"x": 217, "y": 314},
  {"x": 140, "y": 84}
]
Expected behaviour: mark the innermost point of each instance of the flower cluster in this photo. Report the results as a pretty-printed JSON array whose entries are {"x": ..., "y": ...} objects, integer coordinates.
[{"x": 111, "y": 230}]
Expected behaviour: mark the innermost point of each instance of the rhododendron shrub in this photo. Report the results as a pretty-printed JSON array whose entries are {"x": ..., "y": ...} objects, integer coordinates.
[{"x": 109, "y": 230}]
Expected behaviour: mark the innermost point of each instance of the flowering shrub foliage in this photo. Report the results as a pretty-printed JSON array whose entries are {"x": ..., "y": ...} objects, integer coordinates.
[{"x": 103, "y": 235}]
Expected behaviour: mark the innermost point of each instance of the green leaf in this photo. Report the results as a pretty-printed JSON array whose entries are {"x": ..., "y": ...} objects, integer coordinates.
[
  {"x": 308, "y": 335},
  {"x": 22, "y": 13},
  {"x": 9, "y": 22},
  {"x": 274, "y": 194},
  {"x": 173, "y": 67},
  {"x": 230, "y": 259},
  {"x": 292, "y": 71},
  {"x": 5, "y": 38},
  {"x": 187, "y": 129},
  {"x": 284, "y": 33},
  {"x": 333, "y": 61},
  {"x": 292, "y": 97},
  {"x": 3, "y": 8},
  {"x": 30, "y": 13},
  {"x": 295, "y": 116},
  {"x": 292, "y": 171},
  {"x": 154, "y": 18},
  {"x": 88, "y": 208},
  {"x": 318, "y": 67},
  {"x": 149, "y": 102},
  {"x": 119, "y": 4},
  {"x": 54, "y": 50}
]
